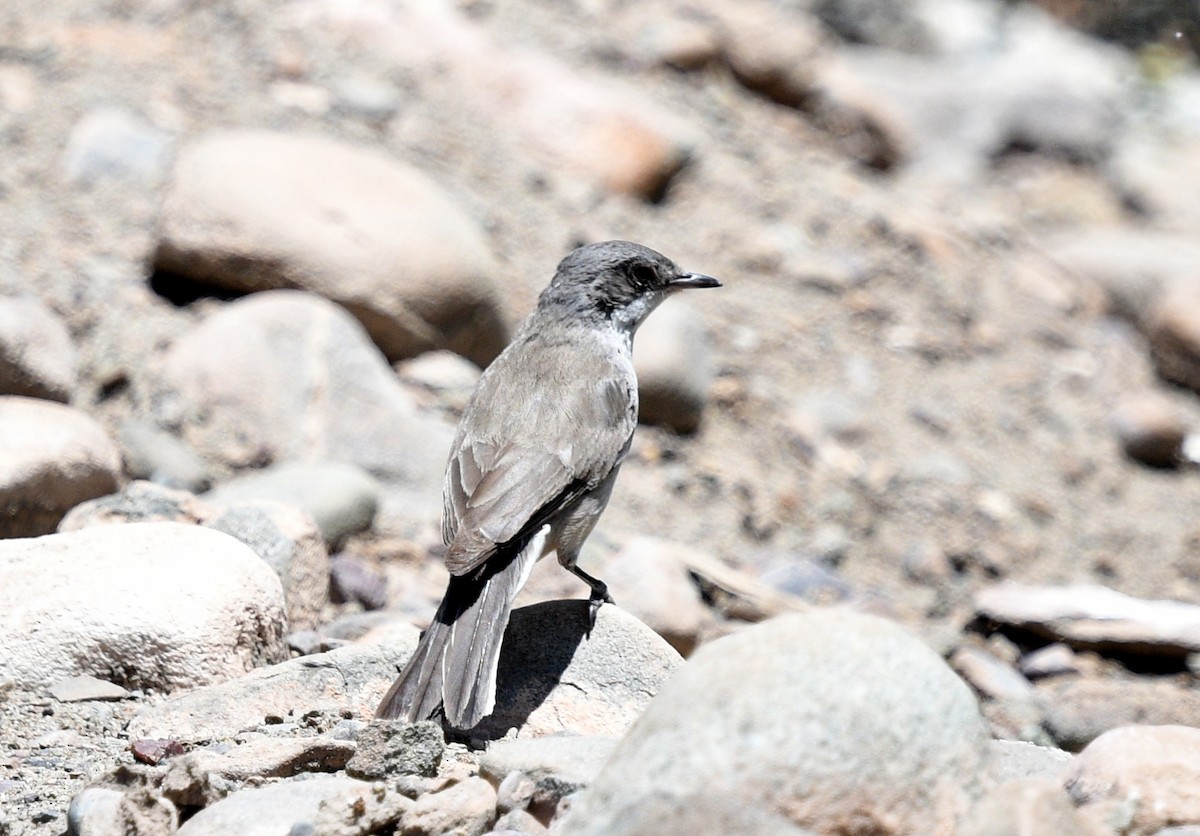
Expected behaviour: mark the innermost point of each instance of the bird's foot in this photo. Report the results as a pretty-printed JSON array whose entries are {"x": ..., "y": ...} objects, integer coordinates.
[{"x": 599, "y": 596}]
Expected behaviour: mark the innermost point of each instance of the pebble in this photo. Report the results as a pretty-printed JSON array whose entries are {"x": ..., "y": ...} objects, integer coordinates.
[
  {"x": 161, "y": 457},
  {"x": 1150, "y": 429},
  {"x": 392, "y": 747},
  {"x": 37, "y": 357},
  {"x": 80, "y": 688},
  {"x": 1173, "y": 328},
  {"x": 52, "y": 457},
  {"x": 113, "y": 143}
]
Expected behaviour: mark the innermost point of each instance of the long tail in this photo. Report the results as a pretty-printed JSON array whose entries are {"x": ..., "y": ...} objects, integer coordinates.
[{"x": 454, "y": 665}]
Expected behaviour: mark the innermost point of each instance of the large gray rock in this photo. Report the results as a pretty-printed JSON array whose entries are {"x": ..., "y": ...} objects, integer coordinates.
[
  {"x": 837, "y": 721},
  {"x": 37, "y": 358},
  {"x": 287, "y": 375},
  {"x": 160, "y": 606},
  {"x": 52, "y": 457},
  {"x": 254, "y": 210},
  {"x": 557, "y": 676},
  {"x": 351, "y": 678}
]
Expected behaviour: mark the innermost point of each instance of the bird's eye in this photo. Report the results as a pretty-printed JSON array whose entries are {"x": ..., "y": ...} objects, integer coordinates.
[{"x": 642, "y": 274}]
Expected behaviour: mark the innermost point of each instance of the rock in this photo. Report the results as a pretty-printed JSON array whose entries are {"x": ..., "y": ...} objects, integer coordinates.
[
  {"x": 1094, "y": 617},
  {"x": 1132, "y": 265},
  {"x": 80, "y": 688},
  {"x": 467, "y": 808},
  {"x": 1147, "y": 167},
  {"x": 102, "y": 811},
  {"x": 52, "y": 457},
  {"x": 1078, "y": 710},
  {"x": 649, "y": 580},
  {"x": 157, "y": 606},
  {"x": 768, "y": 51},
  {"x": 1013, "y": 760},
  {"x": 1173, "y": 328},
  {"x": 674, "y": 363},
  {"x": 352, "y": 678},
  {"x": 451, "y": 377},
  {"x": 1051, "y": 660},
  {"x": 204, "y": 776},
  {"x": 390, "y": 747},
  {"x": 138, "y": 502},
  {"x": 160, "y": 457},
  {"x": 351, "y": 579},
  {"x": 681, "y": 43},
  {"x": 112, "y": 143},
  {"x": 991, "y": 677},
  {"x": 282, "y": 535},
  {"x": 901, "y": 737},
  {"x": 1152, "y": 773},
  {"x": 609, "y": 135},
  {"x": 1040, "y": 87},
  {"x": 37, "y": 358},
  {"x": 256, "y": 210},
  {"x": 288, "y": 540},
  {"x": 341, "y": 498},
  {"x": 552, "y": 768},
  {"x": 154, "y": 752},
  {"x": 1025, "y": 808},
  {"x": 285, "y": 809},
  {"x": 556, "y": 676},
  {"x": 926, "y": 26},
  {"x": 518, "y": 823},
  {"x": 284, "y": 375},
  {"x": 1150, "y": 428}
]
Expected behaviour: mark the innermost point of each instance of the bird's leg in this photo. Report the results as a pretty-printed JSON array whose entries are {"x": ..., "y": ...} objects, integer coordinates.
[{"x": 599, "y": 593}]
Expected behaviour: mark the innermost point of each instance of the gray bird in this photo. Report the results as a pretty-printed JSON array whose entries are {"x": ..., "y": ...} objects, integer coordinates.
[{"x": 533, "y": 464}]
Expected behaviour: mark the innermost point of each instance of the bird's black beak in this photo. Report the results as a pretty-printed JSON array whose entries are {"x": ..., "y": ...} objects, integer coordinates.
[{"x": 689, "y": 280}]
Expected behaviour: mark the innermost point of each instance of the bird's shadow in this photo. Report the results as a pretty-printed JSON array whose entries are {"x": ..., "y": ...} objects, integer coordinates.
[{"x": 539, "y": 644}]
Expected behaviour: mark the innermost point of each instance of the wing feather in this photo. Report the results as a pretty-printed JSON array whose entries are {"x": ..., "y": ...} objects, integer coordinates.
[{"x": 520, "y": 456}]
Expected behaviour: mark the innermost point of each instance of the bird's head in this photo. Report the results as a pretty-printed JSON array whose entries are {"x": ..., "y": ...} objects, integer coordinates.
[{"x": 617, "y": 281}]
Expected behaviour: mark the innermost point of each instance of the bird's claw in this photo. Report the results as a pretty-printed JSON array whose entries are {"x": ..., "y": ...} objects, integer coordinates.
[{"x": 598, "y": 597}]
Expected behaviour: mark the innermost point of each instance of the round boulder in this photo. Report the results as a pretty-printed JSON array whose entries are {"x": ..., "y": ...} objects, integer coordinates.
[
  {"x": 256, "y": 210},
  {"x": 836, "y": 721},
  {"x": 52, "y": 457},
  {"x": 159, "y": 606}
]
